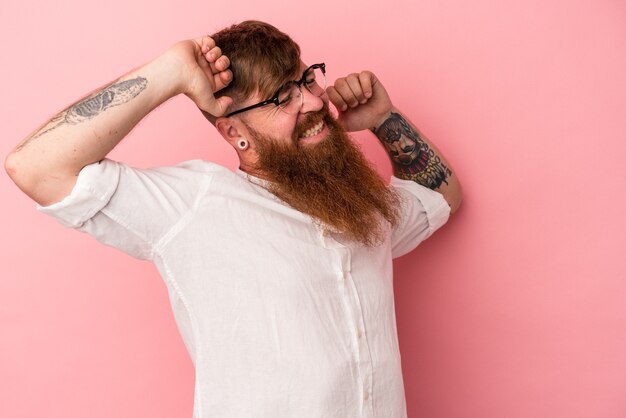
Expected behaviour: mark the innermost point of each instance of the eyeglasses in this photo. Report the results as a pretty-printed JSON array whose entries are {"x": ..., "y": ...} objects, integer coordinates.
[{"x": 289, "y": 97}]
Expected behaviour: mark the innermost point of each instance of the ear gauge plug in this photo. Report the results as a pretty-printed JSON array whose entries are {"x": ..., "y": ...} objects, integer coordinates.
[{"x": 242, "y": 144}]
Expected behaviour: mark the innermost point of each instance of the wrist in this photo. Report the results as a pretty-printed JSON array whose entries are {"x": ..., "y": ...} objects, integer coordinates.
[
  {"x": 166, "y": 72},
  {"x": 382, "y": 118}
]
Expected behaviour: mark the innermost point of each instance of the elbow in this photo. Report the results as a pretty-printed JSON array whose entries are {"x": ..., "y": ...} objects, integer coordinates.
[
  {"x": 18, "y": 172},
  {"x": 454, "y": 198},
  {"x": 455, "y": 203},
  {"x": 10, "y": 166},
  {"x": 43, "y": 189}
]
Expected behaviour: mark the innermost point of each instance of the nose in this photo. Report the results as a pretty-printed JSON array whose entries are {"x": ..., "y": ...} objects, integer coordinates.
[
  {"x": 311, "y": 102},
  {"x": 406, "y": 143}
]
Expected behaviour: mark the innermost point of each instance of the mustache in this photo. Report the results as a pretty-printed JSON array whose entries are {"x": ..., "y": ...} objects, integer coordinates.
[{"x": 311, "y": 120}]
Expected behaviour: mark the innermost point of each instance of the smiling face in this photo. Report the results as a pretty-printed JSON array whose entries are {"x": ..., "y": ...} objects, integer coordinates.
[
  {"x": 304, "y": 127},
  {"x": 262, "y": 59}
]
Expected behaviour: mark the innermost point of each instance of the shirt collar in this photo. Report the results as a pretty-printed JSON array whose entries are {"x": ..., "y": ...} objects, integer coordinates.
[{"x": 253, "y": 179}]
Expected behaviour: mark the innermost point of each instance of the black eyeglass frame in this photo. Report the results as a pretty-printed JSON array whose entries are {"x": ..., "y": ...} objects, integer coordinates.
[{"x": 274, "y": 99}]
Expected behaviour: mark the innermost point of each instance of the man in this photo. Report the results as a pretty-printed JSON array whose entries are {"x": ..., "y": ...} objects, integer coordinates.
[{"x": 280, "y": 274}]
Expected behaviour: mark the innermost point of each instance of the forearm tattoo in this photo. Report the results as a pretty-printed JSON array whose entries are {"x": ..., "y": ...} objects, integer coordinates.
[
  {"x": 412, "y": 158},
  {"x": 90, "y": 107}
]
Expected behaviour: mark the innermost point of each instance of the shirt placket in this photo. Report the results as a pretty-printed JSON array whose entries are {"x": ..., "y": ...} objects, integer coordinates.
[{"x": 357, "y": 330}]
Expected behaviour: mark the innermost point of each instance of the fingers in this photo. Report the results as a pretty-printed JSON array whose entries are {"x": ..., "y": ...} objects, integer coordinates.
[
  {"x": 217, "y": 62},
  {"x": 206, "y": 43},
  {"x": 220, "y": 64},
  {"x": 351, "y": 91},
  {"x": 222, "y": 79},
  {"x": 367, "y": 80},
  {"x": 213, "y": 54}
]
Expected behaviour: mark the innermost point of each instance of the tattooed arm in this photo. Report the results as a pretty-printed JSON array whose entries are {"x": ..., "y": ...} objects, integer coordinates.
[
  {"x": 46, "y": 164},
  {"x": 363, "y": 103},
  {"x": 415, "y": 158}
]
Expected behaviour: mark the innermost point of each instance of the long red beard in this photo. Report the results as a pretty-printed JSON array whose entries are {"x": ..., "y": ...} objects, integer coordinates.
[{"x": 331, "y": 181}]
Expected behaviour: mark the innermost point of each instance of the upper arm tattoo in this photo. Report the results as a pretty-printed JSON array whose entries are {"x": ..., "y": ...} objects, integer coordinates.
[
  {"x": 90, "y": 107},
  {"x": 412, "y": 158}
]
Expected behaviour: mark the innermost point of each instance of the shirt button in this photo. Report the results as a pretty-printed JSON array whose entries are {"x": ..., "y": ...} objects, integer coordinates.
[
  {"x": 358, "y": 333},
  {"x": 366, "y": 395}
]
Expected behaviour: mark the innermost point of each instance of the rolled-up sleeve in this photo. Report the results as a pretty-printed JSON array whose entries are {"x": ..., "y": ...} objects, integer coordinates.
[
  {"x": 94, "y": 187},
  {"x": 128, "y": 208},
  {"x": 423, "y": 212}
]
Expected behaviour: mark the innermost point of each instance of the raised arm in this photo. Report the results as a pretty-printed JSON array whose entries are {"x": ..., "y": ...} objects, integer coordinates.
[
  {"x": 46, "y": 164},
  {"x": 363, "y": 103}
]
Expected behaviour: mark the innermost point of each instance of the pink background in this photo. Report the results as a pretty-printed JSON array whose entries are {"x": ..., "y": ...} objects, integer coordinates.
[{"x": 516, "y": 308}]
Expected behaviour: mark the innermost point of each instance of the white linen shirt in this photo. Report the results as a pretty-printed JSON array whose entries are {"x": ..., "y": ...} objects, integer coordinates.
[{"x": 280, "y": 319}]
